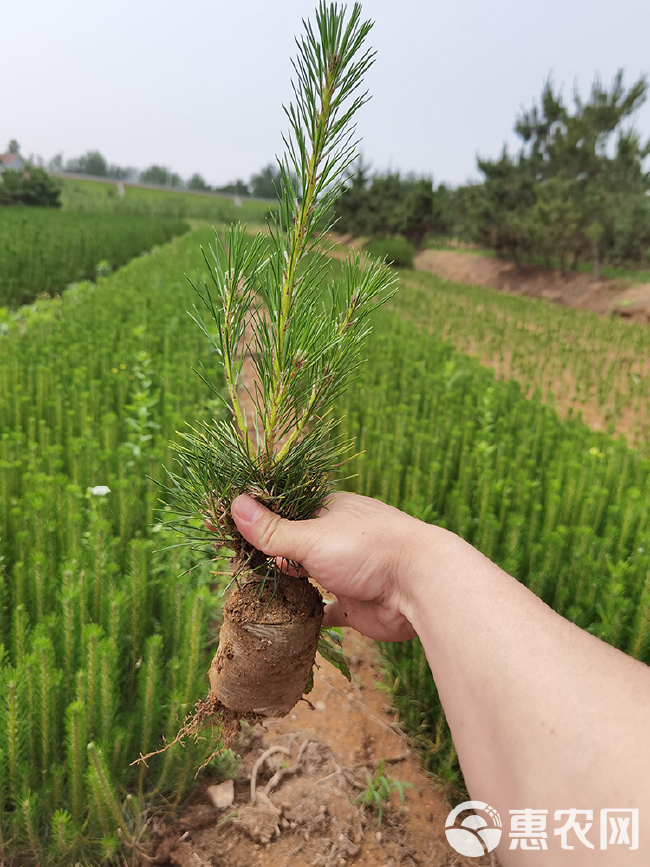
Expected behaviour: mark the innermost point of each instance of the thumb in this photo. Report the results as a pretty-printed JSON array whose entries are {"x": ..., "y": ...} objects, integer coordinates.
[
  {"x": 333, "y": 615},
  {"x": 268, "y": 532}
]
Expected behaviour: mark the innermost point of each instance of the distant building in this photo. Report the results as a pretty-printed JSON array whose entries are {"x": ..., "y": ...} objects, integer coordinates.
[{"x": 11, "y": 161}]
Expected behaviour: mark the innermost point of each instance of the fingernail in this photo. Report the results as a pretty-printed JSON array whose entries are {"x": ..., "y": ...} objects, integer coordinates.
[{"x": 246, "y": 508}]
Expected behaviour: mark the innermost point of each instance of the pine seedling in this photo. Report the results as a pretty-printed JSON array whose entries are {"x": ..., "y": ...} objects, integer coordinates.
[
  {"x": 63, "y": 833},
  {"x": 107, "y": 795},
  {"x": 268, "y": 305},
  {"x": 266, "y": 302}
]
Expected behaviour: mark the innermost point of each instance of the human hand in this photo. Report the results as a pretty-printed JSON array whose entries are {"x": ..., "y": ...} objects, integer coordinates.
[{"x": 357, "y": 548}]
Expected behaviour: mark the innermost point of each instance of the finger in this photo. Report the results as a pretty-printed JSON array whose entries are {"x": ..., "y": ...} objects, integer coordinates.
[
  {"x": 290, "y": 568},
  {"x": 270, "y": 533},
  {"x": 332, "y": 615}
]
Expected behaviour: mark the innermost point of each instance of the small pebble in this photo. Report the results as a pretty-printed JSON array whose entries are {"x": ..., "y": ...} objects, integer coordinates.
[
  {"x": 321, "y": 706},
  {"x": 222, "y": 795},
  {"x": 293, "y": 717}
]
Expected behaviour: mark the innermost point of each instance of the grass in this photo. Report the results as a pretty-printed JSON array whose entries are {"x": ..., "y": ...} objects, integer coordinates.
[
  {"x": 86, "y": 195},
  {"x": 379, "y": 789}
]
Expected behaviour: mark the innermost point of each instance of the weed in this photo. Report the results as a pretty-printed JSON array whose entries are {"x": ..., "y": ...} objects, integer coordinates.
[{"x": 379, "y": 790}]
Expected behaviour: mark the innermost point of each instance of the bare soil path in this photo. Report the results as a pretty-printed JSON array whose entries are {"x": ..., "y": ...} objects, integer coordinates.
[
  {"x": 573, "y": 289},
  {"x": 318, "y": 759}
]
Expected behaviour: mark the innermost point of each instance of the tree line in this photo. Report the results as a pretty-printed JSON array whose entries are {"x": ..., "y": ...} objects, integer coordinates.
[
  {"x": 32, "y": 185},
  {"x": 577, "y": 190},
  {"x": 262, "y": 184},
  {"x": 390, "y": 204}
]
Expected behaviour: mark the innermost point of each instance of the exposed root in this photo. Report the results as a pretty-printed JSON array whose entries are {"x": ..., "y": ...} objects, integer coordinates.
[
  {"x": 208, "y": 712},
  {"x": 279, "y": 775},
  {"x": 258, "y": 764}
]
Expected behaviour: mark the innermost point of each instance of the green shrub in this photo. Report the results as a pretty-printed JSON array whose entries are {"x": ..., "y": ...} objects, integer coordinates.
[
  {"x": 29, "y": 186},
  {"x": 395, "y": 251}
]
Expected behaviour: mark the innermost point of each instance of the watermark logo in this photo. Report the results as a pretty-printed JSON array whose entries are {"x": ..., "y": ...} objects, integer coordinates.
[
  {"x": 480, "y": 832},
  {"x": 623, "y": 825},
  {"x": 476, "y": 834}
]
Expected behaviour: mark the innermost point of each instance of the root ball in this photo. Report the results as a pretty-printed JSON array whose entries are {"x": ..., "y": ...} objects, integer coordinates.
[{"x": 267, "y": 645}]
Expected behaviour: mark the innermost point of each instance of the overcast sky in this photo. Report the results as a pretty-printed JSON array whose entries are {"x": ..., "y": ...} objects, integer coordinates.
[{"x": 198, "y": 86}]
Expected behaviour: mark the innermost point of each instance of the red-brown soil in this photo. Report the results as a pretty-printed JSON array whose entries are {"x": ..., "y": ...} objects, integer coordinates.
[
  {"x": 303, "y": 814},
  {"x": 573, "y": 289}
]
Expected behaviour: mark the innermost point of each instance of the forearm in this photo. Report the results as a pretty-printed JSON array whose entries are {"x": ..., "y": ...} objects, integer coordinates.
[{"x": 543, "y": 715}]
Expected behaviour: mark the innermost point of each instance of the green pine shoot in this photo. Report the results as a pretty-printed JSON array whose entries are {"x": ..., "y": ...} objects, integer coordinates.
[{"x": 265, "y": 301}]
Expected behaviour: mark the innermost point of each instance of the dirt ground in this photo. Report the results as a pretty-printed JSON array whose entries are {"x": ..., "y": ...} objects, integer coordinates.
[
  {"x": 302, "y": 813},
  {"x": 573, "y": 289}
]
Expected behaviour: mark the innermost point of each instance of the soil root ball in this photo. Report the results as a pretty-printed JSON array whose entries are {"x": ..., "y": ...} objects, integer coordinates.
[{"x": 267, "y": 645}]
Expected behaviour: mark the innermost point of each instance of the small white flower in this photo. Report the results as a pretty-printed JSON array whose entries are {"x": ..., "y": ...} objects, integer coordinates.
[{"x": 100, "y": 491}]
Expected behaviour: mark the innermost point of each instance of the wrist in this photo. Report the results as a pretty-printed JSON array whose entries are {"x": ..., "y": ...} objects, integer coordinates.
[{"x": 427, "y": 557}]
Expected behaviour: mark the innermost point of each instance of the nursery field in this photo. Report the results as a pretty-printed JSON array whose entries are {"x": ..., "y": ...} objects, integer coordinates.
[
  {"x": 96, "y": 196},
  {"x": 105, "y": 625},
  {"x": 578, "y": 361},
  {"x": 102, "y": 629},
  {"x": 558, "y": 505},
  {"x": 42, "y": 250}
]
